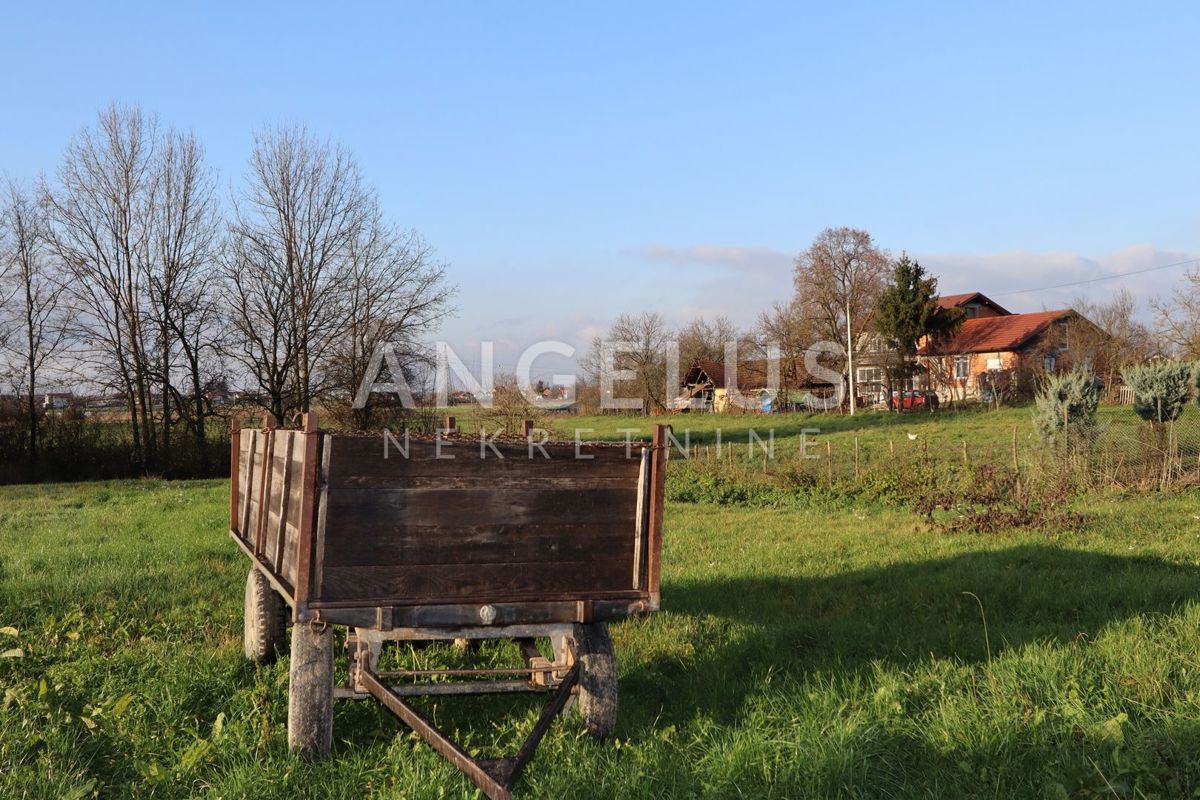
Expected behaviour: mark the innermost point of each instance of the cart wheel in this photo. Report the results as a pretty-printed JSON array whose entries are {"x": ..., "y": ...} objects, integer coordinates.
[
  {"x": 310, "y": 691},
  {"x": 597, "y": 678},
  {"x": 264, "y": 627}
]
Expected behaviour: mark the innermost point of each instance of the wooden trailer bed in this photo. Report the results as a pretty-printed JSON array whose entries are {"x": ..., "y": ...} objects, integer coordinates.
[{"x": 399, "y": 537}]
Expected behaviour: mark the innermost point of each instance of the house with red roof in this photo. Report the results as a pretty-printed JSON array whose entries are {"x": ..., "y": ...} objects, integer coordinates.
[{"x": 993, "y": 340}]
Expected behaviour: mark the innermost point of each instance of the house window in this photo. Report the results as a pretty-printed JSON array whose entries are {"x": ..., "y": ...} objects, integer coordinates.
[
  {"x": 995, "y": 364},
  {"x": 1048, "y": 363},
  {"x": 870, "y": 375},
  {"x": 962, "y": 368}
]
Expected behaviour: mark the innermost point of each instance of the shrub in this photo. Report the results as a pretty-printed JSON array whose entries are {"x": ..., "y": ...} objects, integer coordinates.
[
  {"x": 1065, "y": 407},
  {"x": 1160, "y": 390},
  {"x": 1006, "y": 386}
]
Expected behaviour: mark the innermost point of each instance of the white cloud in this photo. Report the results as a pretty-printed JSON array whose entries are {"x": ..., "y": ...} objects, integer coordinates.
[
  {"x": 743, "y": 259},
  {"x": 713, "y": 279},
  {"x": 741, "y": 281},
  {"x": 1029, "y": 281}
]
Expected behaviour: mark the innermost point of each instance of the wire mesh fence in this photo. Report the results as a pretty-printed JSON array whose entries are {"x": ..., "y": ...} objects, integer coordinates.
[{"x": 1118, "y": 452}]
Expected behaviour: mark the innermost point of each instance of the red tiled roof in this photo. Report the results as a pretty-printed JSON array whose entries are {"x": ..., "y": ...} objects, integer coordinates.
[
  {"x": 997, "y": 334},
  {"x": 957, "y": 300},
  {"x": 954, "y": 300}
]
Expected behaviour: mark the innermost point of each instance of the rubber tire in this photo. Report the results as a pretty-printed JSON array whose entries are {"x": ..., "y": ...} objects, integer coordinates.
[
  {"x": 597, "y": 679},
  {"x": 265, "y": 618},
  {"x": 310, "y": 692}
]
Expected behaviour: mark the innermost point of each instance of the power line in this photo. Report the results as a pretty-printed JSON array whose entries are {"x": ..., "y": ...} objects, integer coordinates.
[{"x": 1104, "y": 278}]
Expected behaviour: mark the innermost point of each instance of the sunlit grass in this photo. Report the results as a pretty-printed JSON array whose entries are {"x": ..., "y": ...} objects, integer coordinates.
[{"x": 846, "y": 654}]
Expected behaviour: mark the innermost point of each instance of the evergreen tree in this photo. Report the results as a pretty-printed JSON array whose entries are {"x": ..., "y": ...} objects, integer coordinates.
[
  {"x": 907, "y": 311},
  {"x": 1065, "y": 409},
  {"x": 1160, "y": 390}
]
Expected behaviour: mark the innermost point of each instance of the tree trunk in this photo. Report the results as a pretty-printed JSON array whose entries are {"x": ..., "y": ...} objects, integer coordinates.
[
  {"x": 198, "y": 418},
  {"x": 166, "y": 402},
  {"x": 31, "y": 353},
  {"x": 33, "y": 421}
]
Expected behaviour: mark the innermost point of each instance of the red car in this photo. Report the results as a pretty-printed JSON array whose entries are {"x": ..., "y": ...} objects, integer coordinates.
[{"x": 910, "y": 400}]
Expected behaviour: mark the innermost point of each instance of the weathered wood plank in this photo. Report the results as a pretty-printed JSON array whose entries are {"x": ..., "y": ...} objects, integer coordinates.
[
  {"x": 450, "y": 582},
  {"x": 291, "y": 527},
  {"x": 641, "y": 518},
  {"x": 359, "y": 462},
  {"x": 322, "y": 489},
  {"x": 371, "y": 510},
  {"x": 235, "y": 459},
  {"x": 280, "y": 497},
  {"x": 477, "y": 544},
  {"x": 246, "y": 479},
  {"x": 264, "y": 493},
  {"x": 308, "y": 499},
  {"x": 487, "y": 480},
  {"x": 658, "y": 473},
  {"x": 462, "y": 447},
  {"x": 254, "y": 474}
]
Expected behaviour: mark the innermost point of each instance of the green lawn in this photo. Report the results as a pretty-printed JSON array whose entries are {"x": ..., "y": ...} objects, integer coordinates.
[
  {"x": 984, "y": 430},
  {"x": 844, "y": 654}
]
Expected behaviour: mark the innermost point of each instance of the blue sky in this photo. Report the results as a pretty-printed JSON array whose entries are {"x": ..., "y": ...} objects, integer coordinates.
[{"x": 573, "y": 161}]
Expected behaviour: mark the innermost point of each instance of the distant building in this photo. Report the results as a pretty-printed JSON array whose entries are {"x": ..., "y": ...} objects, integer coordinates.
[
  {"x": 993, "y": 340},
  {"x": 56, "y": 401},
  {"x": 705, "y": 387}
]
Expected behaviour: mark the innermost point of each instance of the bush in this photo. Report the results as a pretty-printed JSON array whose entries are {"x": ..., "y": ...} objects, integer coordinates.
[
  {"x": 1160, "y": 390},
  {"x": 1006, "y": 386},
  {"x": 1065, "y": 408}
]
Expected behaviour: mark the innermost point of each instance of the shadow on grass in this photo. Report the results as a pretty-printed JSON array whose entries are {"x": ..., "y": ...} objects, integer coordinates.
[
  {"x": 744, "y": 628},
  {"x": 899, "y": 614}
]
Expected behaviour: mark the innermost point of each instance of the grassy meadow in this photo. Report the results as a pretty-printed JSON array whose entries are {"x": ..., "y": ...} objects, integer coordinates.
[{"x": 829, "y": 650}]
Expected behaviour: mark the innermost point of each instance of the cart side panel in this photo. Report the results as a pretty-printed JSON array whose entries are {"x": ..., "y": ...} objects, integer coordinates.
[
  {"x": 274, "y": 493},
  {"x": 285, "y": 557},
  {"x": 285, "y": 494},
  {"x": 425, "y": 529},
  {"x": 249, "y": 483},
  {"x": 270, "y": 463}
]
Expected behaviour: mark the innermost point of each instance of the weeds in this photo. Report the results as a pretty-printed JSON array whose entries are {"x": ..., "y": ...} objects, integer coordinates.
[{"x": 983, "y": 498}]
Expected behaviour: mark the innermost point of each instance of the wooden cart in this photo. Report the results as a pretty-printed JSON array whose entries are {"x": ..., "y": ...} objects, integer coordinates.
[{"x": 431, "y": 538}]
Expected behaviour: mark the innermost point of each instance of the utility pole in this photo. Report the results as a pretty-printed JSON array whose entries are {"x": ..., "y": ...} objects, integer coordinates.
[{"x": 850, "y": 354}]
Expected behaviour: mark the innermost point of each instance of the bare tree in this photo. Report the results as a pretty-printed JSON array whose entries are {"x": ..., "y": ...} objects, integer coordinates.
[
  {"x": 704, "y": 340},
  {"x": 301, "y": 214},
  {"x": 262, "y": 340},
  {"x": 184, "y": 242},
  {"x": 394, "y": 294},
  {"x": 785, "y": 326},
  {"x": 1177, "y": 318},
  {"x": 99, "y": 228},
  {"x": 1116, "y": 340},
  {"x": 34, "y": 333},
  {"x": 639, "y": 346},
  {"x": 841, "y": 273}
]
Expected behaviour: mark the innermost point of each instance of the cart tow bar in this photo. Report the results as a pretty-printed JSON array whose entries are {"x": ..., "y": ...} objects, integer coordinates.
[{"x": 496, "y": 776}]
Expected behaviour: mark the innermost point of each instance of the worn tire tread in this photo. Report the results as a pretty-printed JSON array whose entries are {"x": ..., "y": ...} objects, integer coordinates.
[{"x": 265, "y": 620}]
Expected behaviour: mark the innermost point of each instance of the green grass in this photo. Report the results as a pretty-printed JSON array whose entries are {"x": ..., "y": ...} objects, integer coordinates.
[
  {"x": 983, "y": 429},
  {"x": 851, "y": 653}
]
